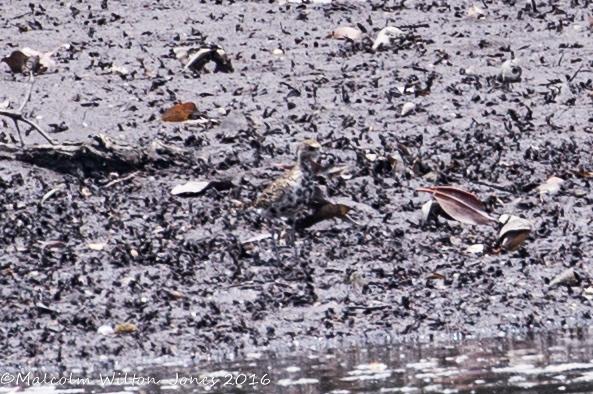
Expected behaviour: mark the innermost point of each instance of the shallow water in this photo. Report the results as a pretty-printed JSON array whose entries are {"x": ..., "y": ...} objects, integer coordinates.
[{"x": 536, "y": 363}]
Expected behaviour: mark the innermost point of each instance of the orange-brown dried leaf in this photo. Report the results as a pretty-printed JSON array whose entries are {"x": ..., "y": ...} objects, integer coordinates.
[
  {"x": 179, "y": 112},
  {"x": 326, "y": 212}
]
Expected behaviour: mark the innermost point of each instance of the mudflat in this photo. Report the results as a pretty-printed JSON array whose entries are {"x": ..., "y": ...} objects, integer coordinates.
[{"x": 92, "y": 243}]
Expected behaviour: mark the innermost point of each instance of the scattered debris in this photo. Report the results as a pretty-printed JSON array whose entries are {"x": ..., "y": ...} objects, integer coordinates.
[
  {"x": 196, "y": 58},
  {"x": 29, "y": 60}
]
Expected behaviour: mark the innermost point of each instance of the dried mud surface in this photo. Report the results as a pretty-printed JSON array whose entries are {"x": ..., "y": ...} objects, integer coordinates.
[{"x": 193, "y": 288}]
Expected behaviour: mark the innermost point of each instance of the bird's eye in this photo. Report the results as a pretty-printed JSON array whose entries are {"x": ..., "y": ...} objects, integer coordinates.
[{"x": 311, "y": 148}]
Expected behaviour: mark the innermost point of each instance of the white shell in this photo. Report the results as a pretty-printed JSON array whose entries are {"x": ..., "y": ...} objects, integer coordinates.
[
  {"x": 387, "y": 37},
  {"x": 347, "y": 32},
  {"x": 510, "y": 71},
  {"x": 407, "y": 108},
  {"x": 105, "y": 330},
  {"x": 477, "y": 248}
]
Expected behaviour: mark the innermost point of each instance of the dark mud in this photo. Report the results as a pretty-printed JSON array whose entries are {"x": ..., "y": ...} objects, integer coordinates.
[{"x": 177, "y": 268}]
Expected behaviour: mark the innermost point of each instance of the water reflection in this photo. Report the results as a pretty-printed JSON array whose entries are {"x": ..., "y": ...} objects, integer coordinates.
[{"x": 538, "y": 363}]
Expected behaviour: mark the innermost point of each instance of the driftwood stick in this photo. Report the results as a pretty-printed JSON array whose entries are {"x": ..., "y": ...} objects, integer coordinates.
[
  {"x": 132, "y": 175},
  {"x": 16, "y": 124}
]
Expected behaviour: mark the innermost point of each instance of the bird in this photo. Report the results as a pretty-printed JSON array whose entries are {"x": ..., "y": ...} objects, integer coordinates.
[{"x": 291, "y": 195}]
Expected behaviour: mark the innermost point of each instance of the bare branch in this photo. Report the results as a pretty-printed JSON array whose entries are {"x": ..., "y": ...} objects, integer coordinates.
[{"x": 19, "y": 117}]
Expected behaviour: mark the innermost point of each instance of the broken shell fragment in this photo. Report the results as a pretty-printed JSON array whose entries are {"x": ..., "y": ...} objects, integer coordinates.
[
  {"x": 426, "y": 208},
  {"x": 551, "y": 186},
  {"x": 196, "y": 58},
  {"x": 566, "y": 278},
  {"x": 514, "y": 232},
  {"x": 407, "y": 108},
  {"x": 510, "y": 72},
  {"x": 344, "y": 32},
  {"x": 387, "y": 37},
  {"x": 476, "y": 12}
]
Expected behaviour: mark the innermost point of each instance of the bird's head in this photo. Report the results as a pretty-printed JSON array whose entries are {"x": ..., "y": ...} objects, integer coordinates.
[{"x": 308, "y": 151}]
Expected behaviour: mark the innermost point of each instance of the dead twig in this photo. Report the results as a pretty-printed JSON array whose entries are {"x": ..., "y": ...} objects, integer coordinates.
[
  {"x": 17, "y": 116},
  {"x": 115, "y": 181}
]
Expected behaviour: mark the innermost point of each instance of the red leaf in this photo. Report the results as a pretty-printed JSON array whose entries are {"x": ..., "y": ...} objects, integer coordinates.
[{"x": 459, "y": 204}]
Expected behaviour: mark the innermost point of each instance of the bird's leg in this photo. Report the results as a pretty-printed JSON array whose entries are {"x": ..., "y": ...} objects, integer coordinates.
[
  {"x": 293, "y": 235},
  {"x": 273, "y": 233}
]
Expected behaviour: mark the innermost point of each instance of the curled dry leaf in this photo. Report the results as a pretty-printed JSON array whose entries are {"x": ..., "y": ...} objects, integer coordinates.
[
  {"x": 387, "y": 37},
  {"x": 551, "y": 186},
  {"x": 180, "y": 112},
  {"x": 346, "y": 32},
  {"x": 566, "y": 278},
  {"x": 459, "y": 204},
  {"x": 514, "y": 232},
  {"x": 125, "y": 328},
  {"x": 196, "y": 58}
]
